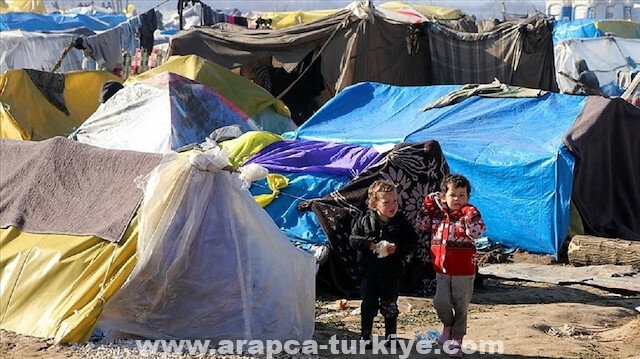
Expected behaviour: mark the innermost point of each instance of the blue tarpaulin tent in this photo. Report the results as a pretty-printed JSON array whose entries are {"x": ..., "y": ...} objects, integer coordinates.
[{"x": 511, "y": 149}]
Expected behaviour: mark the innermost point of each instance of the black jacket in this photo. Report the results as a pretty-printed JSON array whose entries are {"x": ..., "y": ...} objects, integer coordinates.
[{"x": 370, "y": 229}]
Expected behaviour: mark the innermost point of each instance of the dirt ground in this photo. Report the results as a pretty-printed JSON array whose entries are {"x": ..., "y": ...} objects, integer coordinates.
[{"x": 533, "y": 320}]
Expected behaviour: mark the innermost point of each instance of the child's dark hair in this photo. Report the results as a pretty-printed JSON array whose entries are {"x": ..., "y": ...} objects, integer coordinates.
[
  {"x": 457, "y": 181},
  {"x": 379, "y": 186}
]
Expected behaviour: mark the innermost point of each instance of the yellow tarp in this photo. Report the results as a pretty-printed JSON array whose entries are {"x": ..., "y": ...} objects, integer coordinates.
[
  {"x": 622, "y": 28},
  {"x": 284, "y": 19},
  {"x": 22, "y": 6},
  {"x": 249, "y": 97},
  {"x": 434, "y": 12},
  {"x": 26, "y": 114},
  {"x": 54, "y": 286},
  {"x": 248, "y": 144}
]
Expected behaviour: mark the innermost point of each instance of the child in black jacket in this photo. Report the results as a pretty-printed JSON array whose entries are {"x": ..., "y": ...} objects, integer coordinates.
[{"x": 382, "y": 238}]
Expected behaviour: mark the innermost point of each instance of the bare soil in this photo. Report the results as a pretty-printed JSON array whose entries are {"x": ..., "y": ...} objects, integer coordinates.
[{"x": 533, "y": 320}]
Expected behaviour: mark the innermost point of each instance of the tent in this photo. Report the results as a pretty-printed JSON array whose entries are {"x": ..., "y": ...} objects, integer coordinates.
[
  {"x": 211, "y": 263},
  {"x": 77, "y": 251},
  {"x": 37, "y": 105},
  {"x": 606, "y": 57},
  {"x": 528, "y": 153},
  {"x": 269, "y": 113},
  {"x": 588, "y": 28},
  {"x": 362, "y": 43},
  {"x": 162, "y": 113}
]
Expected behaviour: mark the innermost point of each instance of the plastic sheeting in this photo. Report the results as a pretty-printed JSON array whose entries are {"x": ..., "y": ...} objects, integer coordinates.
[
  {"x": 29, "y": 21},
  {"x": 586, "y": 28},
  {"x": 604, "y": 55},
  {"x": 160, "y": 114},
  {"x": 28, "y": 115},
  {"x": 54, "y": 286},
  {"x": 211, "y": 263},
  {"x": 248, "y": 96},
  {"x": 510, "y": 149},
  {"x": 313, "y": 169}
]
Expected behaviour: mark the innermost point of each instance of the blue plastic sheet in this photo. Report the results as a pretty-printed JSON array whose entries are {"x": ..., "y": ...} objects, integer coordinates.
[{"x": 509, "y": 148}]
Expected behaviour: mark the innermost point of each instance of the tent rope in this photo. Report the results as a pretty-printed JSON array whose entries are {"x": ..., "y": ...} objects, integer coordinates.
[{"x": 281, "y": 192}]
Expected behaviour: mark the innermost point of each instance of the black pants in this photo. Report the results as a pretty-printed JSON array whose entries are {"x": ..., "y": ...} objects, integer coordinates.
[{"x": 377, "y": 293}]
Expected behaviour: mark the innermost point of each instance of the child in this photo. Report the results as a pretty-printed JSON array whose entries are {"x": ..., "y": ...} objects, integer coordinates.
[
  {"x": 454, "y": 226},
  {"x": 382, "y": 237}
]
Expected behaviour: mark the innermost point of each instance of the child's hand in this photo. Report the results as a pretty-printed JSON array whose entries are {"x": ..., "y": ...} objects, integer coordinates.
[
  {"x": 391, "y": 249},
  {"x": 373, "y": 246}
]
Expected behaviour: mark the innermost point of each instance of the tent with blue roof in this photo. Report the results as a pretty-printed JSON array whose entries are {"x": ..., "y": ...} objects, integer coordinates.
[{"x": 528, "y": 153}]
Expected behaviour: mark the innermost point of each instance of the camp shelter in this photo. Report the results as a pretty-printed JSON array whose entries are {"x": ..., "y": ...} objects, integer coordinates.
[
  {"x": 528, "y": 154},
  {"x": 211, "y": 263},
  {"x": 605, "y": 56},
  {"x": 68, "y": 233},
  {"x": 269, "y": 113},
  {"x": 216, "y": 270},
  {"x": 588, "y": 28},
  {"x": 160, "y": 114},
  {"x": 37, "y": 105},
  {"x": 352, "y": 49},
  {"x": 363, "y": 43}
]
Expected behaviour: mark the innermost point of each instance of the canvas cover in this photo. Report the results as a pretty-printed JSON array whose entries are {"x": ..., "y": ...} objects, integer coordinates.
[
  {"x": 510, "y": 148},
  {"x": 393, "y": 9},
  {"x": 360, "y": 44},
  {"x": 68, "y": 233},
  {"x": 308, "y": 169},
  {"x": 160, "y": 114},
  {"x": 36, "y": 6},
  {"x": 211, "y": 263},
  {"x": 56, "y": 22},
  {"x": 37, "y": 105}
]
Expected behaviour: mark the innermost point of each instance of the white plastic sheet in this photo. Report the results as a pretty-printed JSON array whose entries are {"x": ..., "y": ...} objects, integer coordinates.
[
  {"x": 604, "y": 56},
  {"x": 211, "y": 263}
]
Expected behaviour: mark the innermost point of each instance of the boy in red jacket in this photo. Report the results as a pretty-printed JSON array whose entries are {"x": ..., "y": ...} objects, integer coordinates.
[{"x": 454, "y": 226}]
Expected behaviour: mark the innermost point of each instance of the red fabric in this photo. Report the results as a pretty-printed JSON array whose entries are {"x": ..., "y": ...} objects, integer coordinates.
[{"x": 453, "y": 234}]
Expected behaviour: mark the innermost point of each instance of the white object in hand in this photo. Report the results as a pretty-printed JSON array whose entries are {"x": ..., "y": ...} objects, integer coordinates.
[{"x": 381, "y": 248}]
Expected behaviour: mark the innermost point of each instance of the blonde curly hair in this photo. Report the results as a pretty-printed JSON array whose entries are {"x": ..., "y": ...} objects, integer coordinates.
[{"x": 379, "y": 186}]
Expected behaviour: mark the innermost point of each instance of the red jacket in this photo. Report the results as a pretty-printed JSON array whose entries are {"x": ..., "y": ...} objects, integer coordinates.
[{"x": 453, "y": 235}]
